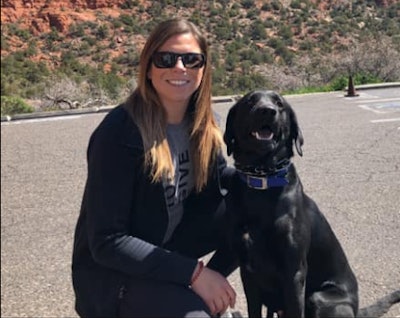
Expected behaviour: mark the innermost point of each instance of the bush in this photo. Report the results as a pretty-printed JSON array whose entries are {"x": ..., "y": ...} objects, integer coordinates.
[
  {"x": 339, "y": 83},
  {"x": 11, "y": 105}
]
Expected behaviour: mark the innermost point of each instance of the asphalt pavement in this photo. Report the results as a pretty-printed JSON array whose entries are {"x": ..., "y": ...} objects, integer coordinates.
[{"x": 350, "y": 166}]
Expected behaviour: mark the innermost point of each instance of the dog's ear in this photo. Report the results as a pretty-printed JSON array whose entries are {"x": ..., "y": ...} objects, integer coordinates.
[
  {"x": 229, "y": 136},
  {"x": 299, "y": 141},
  {"x": 296, "y": 133}
]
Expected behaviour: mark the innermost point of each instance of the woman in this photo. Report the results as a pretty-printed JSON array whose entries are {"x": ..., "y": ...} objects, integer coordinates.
[{"x": 153, "y": 202}]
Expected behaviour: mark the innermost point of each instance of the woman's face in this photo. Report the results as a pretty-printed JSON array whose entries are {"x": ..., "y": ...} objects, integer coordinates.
[{"x": 176, "y": 85}]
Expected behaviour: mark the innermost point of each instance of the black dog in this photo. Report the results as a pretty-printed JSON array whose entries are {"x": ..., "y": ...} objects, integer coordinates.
[{"x": 290, "y": 259}]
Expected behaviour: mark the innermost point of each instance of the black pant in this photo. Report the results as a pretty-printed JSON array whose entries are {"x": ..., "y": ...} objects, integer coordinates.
[
  {"x": 195, "y": 237},
  {"x": 148, "y": 298}
]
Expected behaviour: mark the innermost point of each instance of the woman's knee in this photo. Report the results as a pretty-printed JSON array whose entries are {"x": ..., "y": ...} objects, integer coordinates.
[{"x": 144, "y": 298}]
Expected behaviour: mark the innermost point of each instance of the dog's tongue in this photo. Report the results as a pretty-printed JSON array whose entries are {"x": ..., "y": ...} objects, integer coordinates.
[{"x": 263, "y": 134}]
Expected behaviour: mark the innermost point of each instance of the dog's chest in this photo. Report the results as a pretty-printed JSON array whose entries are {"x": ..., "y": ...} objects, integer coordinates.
[
  {"x": 259, "y": 206},
  {"x": 260, "y": 217},
  {"x": 260, "y": 257}
]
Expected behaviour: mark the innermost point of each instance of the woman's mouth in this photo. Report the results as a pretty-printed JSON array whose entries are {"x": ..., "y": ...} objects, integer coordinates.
[{"x": 178, "y": 82}]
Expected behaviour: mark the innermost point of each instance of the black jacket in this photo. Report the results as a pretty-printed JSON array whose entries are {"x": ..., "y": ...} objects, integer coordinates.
[{"x": 124, "y": 217}]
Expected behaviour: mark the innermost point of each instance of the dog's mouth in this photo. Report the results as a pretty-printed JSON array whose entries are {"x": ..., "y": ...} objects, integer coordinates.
[{"x": 265, "y": 133}]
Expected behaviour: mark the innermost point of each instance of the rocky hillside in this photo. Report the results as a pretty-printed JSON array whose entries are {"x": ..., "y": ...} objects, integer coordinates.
[{"x": 40, "y": 17}]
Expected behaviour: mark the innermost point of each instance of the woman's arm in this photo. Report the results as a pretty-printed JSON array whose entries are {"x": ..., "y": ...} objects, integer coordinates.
[{"x": 114, "y": 164}]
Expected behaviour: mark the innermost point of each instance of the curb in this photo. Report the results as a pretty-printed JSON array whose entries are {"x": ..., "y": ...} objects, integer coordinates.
[
  {"x": 372, "y": 86},
  {"x": 90, "y": 110},
  {"x": 102, "y": 109},
  {"x": 35, "y": 115}
]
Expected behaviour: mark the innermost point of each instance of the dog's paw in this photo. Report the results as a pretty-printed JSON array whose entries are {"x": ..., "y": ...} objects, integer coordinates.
[{"x": 230, "y": 314}]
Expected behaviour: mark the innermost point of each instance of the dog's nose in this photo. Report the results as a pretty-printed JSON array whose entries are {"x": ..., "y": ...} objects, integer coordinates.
[{"x": 268, "y": 111}]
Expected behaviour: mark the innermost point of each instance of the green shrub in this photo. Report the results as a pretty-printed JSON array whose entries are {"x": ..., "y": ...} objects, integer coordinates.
[
  {"x": 366, "y": 78},
  {"x": 247, "y": 4},
  {"x": 339, "y": 83},
  {"x": 11, "y": 105},
  {"x": 258, "y": 31}
]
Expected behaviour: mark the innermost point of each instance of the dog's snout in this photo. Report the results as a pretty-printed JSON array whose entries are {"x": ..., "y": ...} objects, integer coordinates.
[{"x": 268, "y": 111}]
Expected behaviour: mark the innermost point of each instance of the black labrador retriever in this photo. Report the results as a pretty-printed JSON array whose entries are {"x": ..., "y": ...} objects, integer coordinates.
[{"x": 290, "y": 259}]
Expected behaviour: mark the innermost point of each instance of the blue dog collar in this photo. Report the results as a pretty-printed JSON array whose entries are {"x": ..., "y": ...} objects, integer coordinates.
[{"x": 262, "y": 182}]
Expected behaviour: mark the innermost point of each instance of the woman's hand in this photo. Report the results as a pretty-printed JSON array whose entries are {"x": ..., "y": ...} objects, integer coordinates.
[{"x": 215, "y": 290}]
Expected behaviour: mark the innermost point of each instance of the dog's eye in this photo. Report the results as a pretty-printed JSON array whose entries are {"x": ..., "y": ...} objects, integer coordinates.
[
  {"x": 278, "y": 101},
  {"x": 252, "y": 101}
]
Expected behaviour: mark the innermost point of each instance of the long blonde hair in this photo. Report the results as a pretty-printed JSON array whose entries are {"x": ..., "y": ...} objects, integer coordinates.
[{"x": 150, "y": 117}]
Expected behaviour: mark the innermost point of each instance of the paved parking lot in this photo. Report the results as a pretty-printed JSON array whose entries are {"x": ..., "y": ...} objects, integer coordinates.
[{"x": 351, "y": 167}]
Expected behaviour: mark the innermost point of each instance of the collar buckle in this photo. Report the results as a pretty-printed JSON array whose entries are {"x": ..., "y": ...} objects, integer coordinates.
[{"x": 259, "y": 183}]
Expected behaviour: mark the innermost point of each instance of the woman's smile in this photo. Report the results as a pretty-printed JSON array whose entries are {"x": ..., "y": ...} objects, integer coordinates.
[{"x": 178, "y": 82}]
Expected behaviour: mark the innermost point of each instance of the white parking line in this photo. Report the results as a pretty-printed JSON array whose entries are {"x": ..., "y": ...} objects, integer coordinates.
[
  {"x": 380, "y": 106},
  {"x": 387, "y": 120},
  {"x": 379, "y": 100},
  {"x": 372, "y": 109}
]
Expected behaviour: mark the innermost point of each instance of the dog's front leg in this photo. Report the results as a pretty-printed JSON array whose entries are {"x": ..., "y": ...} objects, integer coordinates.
[
  {"x": 252, "y": 292},
  {"x": 294, "y": 289}
]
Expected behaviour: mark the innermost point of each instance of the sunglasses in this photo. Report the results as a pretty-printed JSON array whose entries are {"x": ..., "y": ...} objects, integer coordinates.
[{"x": 169, "y": 59}]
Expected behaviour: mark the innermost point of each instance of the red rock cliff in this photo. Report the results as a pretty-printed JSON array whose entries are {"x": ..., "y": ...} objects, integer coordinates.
[{"x": 41, "y": 16}]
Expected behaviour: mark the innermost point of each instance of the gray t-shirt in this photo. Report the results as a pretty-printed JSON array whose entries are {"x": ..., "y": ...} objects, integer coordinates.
[{"x": 178, "y": 189}]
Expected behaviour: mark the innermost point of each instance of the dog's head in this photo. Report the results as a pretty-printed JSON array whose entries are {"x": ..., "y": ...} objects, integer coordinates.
[{"x": 262, "y": 129}]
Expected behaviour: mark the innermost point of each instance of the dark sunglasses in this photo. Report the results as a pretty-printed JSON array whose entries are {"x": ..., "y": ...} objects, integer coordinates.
[{"x": 169, "y": 59}]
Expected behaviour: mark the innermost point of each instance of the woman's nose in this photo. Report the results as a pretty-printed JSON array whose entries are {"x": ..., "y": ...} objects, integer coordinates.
[{"x": 179, "y": 63}]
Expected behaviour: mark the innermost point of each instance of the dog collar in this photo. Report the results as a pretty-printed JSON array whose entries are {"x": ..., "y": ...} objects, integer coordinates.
[{"x": 262, "y": 182}]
